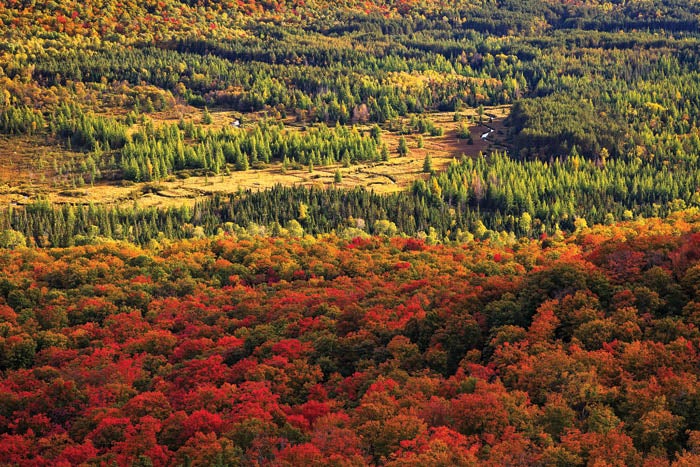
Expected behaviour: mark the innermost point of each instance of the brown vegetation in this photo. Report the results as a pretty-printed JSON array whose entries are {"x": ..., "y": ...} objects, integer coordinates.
[{"x": 26, "y": 170}]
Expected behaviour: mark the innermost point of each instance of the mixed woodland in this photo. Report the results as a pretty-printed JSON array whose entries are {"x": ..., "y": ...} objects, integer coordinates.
[
  {"x": 533, "y": 304},
  {"x": 603, "y": 125}
]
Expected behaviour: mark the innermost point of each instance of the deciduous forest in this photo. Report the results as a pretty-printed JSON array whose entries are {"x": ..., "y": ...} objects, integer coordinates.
[
  {"x": 377, "y": 232},
  {"x": 247, "y": 350}
]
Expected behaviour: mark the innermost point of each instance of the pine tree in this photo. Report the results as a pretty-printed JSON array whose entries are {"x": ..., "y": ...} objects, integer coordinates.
[
  {"x": 206, "y": 117},
  {"x": 428, "y": 164},
  {"x": 376, "y": 133},
  {"x": 403, "y": 147},
  {"x": 242, "y": 162}
]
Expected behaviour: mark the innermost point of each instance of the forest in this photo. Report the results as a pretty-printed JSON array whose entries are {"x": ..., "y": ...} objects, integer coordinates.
[
  {"x": 377, "y": 232},
  {"x": 244, "y": 349},
  {"x": 602, "y": 122}
]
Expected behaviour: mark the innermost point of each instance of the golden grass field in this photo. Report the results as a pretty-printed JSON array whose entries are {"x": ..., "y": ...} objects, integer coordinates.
[{"x": 27, "y": 170}]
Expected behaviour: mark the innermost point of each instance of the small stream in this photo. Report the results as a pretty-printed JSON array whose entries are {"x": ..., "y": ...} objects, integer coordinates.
[{"x": 490, "y": 128}]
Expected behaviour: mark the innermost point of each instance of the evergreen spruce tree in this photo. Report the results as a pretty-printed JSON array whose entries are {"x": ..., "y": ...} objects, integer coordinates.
[
  {"x": 242, "y": 162},
  {"x": 403, "y": 147},
  {"x": 384, "y": 153},
  {"x": 376, "y": 133},
  {"x": 206, "y": 117},
  {"x": 428, "y": 164}
]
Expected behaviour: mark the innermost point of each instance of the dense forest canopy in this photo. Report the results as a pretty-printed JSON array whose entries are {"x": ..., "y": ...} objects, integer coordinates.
[
  {"x": 528, "y": 297},
  {"x": 301, "y": 350}
]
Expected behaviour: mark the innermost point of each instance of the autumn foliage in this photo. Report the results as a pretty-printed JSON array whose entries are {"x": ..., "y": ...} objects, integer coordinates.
[{"x": 323, "y": 351}]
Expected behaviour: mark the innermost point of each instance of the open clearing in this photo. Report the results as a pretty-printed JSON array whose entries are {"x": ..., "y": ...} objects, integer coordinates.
[{"x": 31, "y": 162}]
